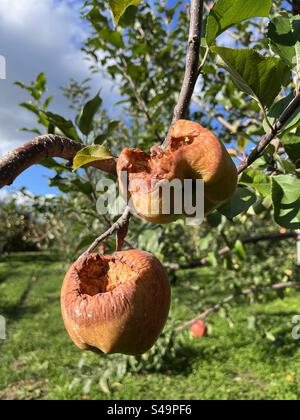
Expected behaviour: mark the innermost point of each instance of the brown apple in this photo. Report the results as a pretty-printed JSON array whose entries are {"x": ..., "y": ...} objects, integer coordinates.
[
  {"x": 193, "y": 153},
  {"x": 116, "y": 303}
]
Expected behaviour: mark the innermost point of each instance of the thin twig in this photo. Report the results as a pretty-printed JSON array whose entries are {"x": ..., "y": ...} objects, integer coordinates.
[
  {"x": 226, "y": 124},
  {"x": 120, "y": 223},
  {"x": 267, "y": 138},
  {"x": 192, "y": 64},
  {"x": 203, "y": 61},
  {"x": 39, "y": 149},
  {"x": 142, "y": 104},
  {"x": 250, "y": 291},
  {"x": 273, "y": 236}
]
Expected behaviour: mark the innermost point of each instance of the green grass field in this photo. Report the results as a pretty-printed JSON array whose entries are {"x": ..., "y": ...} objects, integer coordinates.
[{"x": 38, "y": 361}]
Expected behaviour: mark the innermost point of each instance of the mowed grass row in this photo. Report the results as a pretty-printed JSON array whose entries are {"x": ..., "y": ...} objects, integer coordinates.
[{"x": 240, "y": 359}]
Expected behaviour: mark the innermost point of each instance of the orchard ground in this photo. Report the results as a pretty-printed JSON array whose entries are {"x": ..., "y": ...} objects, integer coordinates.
[{"x": 240, "y": 359}]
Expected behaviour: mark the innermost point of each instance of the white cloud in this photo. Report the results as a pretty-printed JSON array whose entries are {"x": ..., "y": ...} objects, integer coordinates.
[
  {"x": 21, "y": 199},
  {"x": 41, "y": 36}
]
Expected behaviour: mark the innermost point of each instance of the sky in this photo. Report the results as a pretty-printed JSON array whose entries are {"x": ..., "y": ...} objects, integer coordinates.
[{"x": 35, "y": 36}]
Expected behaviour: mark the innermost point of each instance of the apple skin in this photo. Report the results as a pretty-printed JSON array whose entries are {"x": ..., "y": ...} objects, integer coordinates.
[
  {"x": 123, "y": 315},
  {"x": 199, "y": 329},
  {"x": 193, "y": 153}
]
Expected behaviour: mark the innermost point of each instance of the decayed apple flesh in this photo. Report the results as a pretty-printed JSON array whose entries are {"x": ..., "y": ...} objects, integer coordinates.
[
  {"x": 193, "y": 153},
  {"x": 111, "y": 275},
  {"x": 116, "y": 304}
]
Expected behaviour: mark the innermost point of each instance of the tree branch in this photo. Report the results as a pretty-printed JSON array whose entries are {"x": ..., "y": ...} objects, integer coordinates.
[
  {"x": 39, "y": 149},
  {"x": 192, "y": 63},
  {"x": 274, "y": 236},
  {"x": 225, "y": 123},
  {"x": 267, "y": 138},
  {"x": 142, "y": 104},
  {"x": 250, "y": 291},
  {"x": 119, "y": 224}
]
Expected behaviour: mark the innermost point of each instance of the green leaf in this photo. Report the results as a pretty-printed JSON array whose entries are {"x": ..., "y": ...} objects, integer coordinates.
[
  {"x": 61, "y": 183},
  {"x": 91, "y": 154},
  {"x": 241, "y": 201},
  {"x": 284, "y": 33},
  {"x": 251, "y": 322},
  {"x": 118, "y": 7},
  {"x": 41, "y": 81},
  {"x": 47, "y": 102},
  {"x": 291, "y": 144},
  {"x": 258, "y": 180},
  {"x": 88, "y": 113},
  {"x": 51, "y": 163},
  {"x": 277, "y": 109},
  {"x": 227, "y": 13},
  {"x": 22, "y": 85},
  {"x": 214, "y": 219},
  {"x": 150, "y": 240},
  {"x": 285, "y": 166},
  {"x": 111, "y": 127},
  {"x": 83, "y": 187},
  {"x": 205, "y": 242},
  {"x": 111, "y": 37},
  {"x": 158, "y": 98},
  {"x": 30, "y": 107},
  {"x": 286, "y": 201},
  {"x": 85, "y": 242},
  {"x": 212, "y": 259},
  {"x": 31, "y": 130},
  {"x": 258, "y": 76},
  {"x": 65, "y": 126},
  {"x": 270, "y": 336},
  {"x": 240, "y": 250}
]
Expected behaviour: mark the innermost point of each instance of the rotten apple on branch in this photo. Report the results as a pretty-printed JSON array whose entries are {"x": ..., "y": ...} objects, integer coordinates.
[{"x": 193, "y": 153}]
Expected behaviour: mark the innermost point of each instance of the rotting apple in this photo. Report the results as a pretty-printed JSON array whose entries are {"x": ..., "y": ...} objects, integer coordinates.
[
  {"x": 116, "y": 303},
  {"x": 193, "y": 153}
]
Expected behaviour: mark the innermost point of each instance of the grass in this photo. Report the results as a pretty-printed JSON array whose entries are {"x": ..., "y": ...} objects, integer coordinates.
[{"x": 38, "y": 361}]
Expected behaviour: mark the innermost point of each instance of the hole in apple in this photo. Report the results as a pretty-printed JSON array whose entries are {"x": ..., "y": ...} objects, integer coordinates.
[{"x": 104, "y": 277}]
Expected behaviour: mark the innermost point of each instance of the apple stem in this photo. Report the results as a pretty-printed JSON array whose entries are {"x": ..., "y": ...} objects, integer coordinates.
[{"x": 118, "y": 225}]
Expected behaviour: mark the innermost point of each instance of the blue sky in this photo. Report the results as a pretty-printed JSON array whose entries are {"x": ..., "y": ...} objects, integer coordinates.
[{"x": 40, "y": 36}]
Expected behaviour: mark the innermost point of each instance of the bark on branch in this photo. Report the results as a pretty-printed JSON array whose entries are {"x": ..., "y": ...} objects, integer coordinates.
[
  {"x": 121, "y": 223},
  {"x": 192, "y": 63},
  {"x": 267, "y": 138},
  {"x": 246, "y": 292},
  {"x": 275, "y": 236},
  {"x": 39, "y": 149}
]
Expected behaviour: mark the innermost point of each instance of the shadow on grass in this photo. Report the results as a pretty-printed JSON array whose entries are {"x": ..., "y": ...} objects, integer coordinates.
[
  {"x": 180, "y": 363},
  {"x": 17, "y": 310},
  {"x": 284, "y": 345},
  {"x": 31, "y": 257}
]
